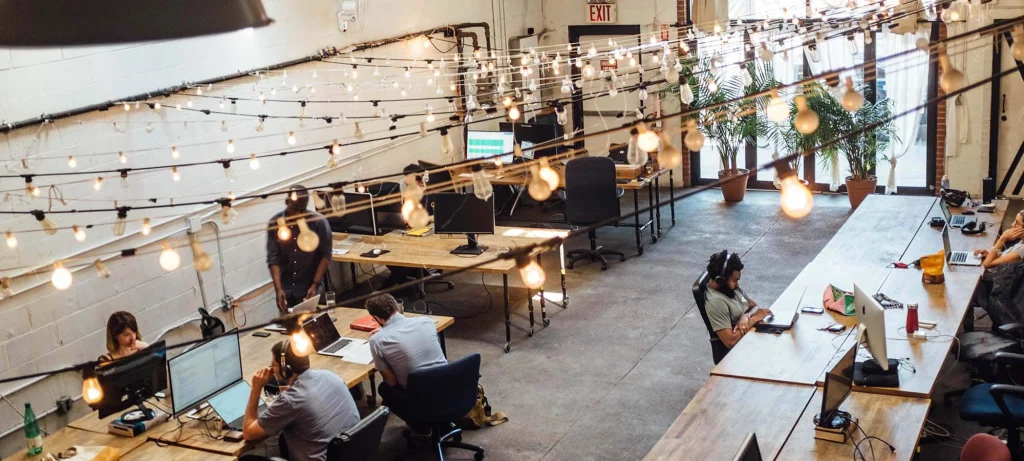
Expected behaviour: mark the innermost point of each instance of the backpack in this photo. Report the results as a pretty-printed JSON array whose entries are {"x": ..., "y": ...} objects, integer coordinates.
[
  {"x": 481, "y": 416},
  {"x": 955, "y": 198}
]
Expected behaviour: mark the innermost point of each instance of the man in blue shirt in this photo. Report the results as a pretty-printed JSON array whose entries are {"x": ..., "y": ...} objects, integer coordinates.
[{"x": 296, "y": 273}]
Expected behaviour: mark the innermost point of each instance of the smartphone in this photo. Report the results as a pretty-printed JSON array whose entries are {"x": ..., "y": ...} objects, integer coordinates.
[
  {"x": 812, "y": 310},
  {"x": 261, "y": 334},
  {"x": 837, "y": 328}
]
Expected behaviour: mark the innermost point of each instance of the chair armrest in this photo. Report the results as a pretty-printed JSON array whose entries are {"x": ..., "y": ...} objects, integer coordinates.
[
  {"x": 1009, "y": 358},
  {"x": 999, "y": 393},
  {"x": 1014, "y": 330}
]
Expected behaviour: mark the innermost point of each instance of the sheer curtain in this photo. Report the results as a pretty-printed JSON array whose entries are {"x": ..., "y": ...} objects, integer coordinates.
[
  {"x": 837, "y": 53},
  {"x": 905, "y": 87}
]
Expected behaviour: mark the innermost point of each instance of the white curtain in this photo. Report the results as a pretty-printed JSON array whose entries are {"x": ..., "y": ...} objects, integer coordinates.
[
  {"x": 707, "y": 12},
  {"x": 906, "y": 88},
  {"x": 838, "y": 53}
]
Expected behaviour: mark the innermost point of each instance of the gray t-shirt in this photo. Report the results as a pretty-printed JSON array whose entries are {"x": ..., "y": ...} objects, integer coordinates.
[
  {"x": 1018, "y": 249},
  {"x": 406, "y": 344},
  {"x": 723, "y": 311},
  {"x": 315, "y": 409}
]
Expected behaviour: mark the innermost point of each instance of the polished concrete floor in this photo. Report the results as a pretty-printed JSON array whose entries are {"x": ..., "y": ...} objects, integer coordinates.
[{"x": 613, "y": 371}]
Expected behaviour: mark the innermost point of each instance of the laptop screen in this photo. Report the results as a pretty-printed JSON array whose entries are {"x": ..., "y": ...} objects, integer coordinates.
[
  {"x": 230, "y": 404},
  {"x": 321, "y": 331},
  {"x": 945, "y": 210},
  {"x": 945, "y": 242}
]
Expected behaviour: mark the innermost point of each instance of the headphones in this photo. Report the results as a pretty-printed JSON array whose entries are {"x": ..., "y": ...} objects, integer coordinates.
[
  {"x": 972, "y": 228},
  {"x": 720, "y": 279},
  {"x": 282, "y": 363}
]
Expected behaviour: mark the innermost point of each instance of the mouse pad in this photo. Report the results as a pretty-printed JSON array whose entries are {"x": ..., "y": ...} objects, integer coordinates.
[{"x": 369, "y": 254}]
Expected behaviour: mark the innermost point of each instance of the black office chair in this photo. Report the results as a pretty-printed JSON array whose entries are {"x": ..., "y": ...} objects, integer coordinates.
[
  {"x": 591, "y": 198},
  {"x": 978, "y": 349},
  {"x": 362, "y": 441},
  {"x": 438, "y": 396},
  {"x": 718, "y": 349},
  {"x": 209, "y": 325},
  {"x": 998, "y": 405}
]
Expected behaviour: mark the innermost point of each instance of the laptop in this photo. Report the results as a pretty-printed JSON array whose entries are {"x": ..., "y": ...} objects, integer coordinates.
[
  {"x": 955, "y": 221},
  {"x": 781, "y": 319},
  {"x": 326, "y": 339},
  {"x": 230, "y": 404},
  {"x": 309, "y": 305},
  {"x": 957, "y": 258}
]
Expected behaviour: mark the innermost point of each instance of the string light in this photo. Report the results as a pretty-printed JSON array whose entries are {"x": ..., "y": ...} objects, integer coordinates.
[
  {"x": 61, "y": 277},
  {"x": 300, "y": 343},
  {"x": 92, "y": 393},
  {"x": 123, "y": 158},
  {"x": 72, "y": 162},
  {"x": 951, "y": 79},
  {"x": 254, "y": 163},
  {"x": 646, "y": 140},
  {"x": 157, "y": 106},
  {"x": 98, "y": 183},
  {"x": 101, "y": 269},
  {"x": 806, "y": 120},
  {"x": 227, "y": 214},
  {"x": 230, "y": 147},
  {"x": 12, "y": 241},
  {"x": 121, "y": 222},
  {"x": 79, "y": 233},
  {"x": 308, "y": 241},
  {"x": 694, "y": 139},
  {"x": 291, "y": 138},
  {"x": 147, "y": 226},
  {"x": 669, "y": 156},
  {"x": 777, "y": 110},
  {"x": 1017, "y": 49},
  {"x": 851, "y": 100},
  {"x": 482, "y": 187},
  {"x": 532, "y": 274},
  {"x": 47, "y": 224},
  {"x": 796, "y": 199},
  {"x": 283, "y": 232},
  {"x": 229, "y": 174},
  {"x": 201, "y": 260},
  {"x": 430, "y": 114},
  {"x": 175, "y": 176},
  {"x": 513, "y": 112},
  {"x": 174, "y": 153},
  {"x": 169, "y": 258}
]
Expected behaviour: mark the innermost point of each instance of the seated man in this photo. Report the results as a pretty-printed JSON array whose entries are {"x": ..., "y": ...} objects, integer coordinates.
[
  {"x": 729, "y": 310},
  {"x": 398, "y": 274},
  {"x": 1000, "y": 254},
  {"x": 313, "y": 409},
  {"x": 400, "y": 346}
]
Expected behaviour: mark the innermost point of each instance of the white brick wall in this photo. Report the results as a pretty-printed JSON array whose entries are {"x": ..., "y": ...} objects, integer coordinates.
[{"x": 42, "y": 328}]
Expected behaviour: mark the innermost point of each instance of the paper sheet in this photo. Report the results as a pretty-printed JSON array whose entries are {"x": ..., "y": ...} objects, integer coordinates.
[{"x": 360, "y": 355}]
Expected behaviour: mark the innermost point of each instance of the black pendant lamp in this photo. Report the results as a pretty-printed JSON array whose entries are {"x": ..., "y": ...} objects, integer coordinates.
[{"x": 38, "y": 23}]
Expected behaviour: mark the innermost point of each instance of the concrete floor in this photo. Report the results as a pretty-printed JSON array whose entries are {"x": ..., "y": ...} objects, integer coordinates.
[{"x": 613, "y": 371}]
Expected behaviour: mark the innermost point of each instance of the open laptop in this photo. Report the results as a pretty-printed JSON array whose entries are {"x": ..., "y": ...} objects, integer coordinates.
[
  {"x": 781, "y": 319},
  {"x": 230, "y": 404},
  {"x": 957, "y": 258},
  {"x": 308, "y": 305},
  {"x": 955, "y": 221},
  {"x": 326, "y": 339}
]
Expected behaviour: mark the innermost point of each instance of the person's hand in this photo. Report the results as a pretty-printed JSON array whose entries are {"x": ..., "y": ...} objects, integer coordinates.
[
  {"x": 764, "y": 313},
  {"x": 743, "y": 324},
  {"x": 982, "y": 253},
  {"x": 261, "y": 378},
  {"x": 311, "y": 292},
  {"x": 282, "y": 301},
  {"x": 1012, "y": 234}
]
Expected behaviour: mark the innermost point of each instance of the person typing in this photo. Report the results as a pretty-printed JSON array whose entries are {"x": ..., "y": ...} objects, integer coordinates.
[{"x": 730, "y": 311}]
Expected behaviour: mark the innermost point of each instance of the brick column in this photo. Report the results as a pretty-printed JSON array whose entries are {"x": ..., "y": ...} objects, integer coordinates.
[
  {"x": 681, "y": 6},
  {"x": 940, "y": 129}
]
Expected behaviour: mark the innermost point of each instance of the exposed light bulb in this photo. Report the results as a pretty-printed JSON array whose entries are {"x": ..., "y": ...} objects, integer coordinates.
[
  {"x": 358, "y": 133},
  {"x": 98, "y": 183},
  {"x": 646, "y": 140},
  {"x": 47, "y": 224},
  {"x": 308, "y": 241},
  {"x": 61, "y": 277},
  {"x": 669, "y": 156},
  {"x": 686, "y": 93},
  {"x": 12, "y": 241},
  {"x": 430, "y": 114},
  {"x": 796, "y": 199},
  {"x": 101, "y": 269},
  {"x": 537, "y": 187},
  {"x": 952, "y": 79},
  {"x": 121, "y": 222},
  {"x": 201, "y": 260},
  {"x": 482, "y": 187},
  {"x": 1017, "y": 49},
  {"x": 513, "y": 113},
  {"x": 852, "y": 100},
  {"x": 79, "y": 233},
  {"x": 588, "y": 72},
  {"x": 806, "y": 120},
  {"x": 229, "y": 173},
  {"x": 157, "y": 106},
  {"x": 672, "y": 76},
  {"x": 169, "y": 258},
  {"x": 548, "y": 174},
  {"x": 230, "y": 147},
  {"x": 127, "y": 107},
  {"x": 174, "y": 153},
  {"x": 694, "y": 139},
  {"x": 777, "y": 110},
  {"x": 283, "y": 232},
  {"x": 335, "y": 148},
  {"x": 562, "y": 116},
  {"x": 300, "y": 343},
  {"x": 189, "y": 103},
  {"x": 147, "y": 226},
  {"x": 72, "y": 162},
  {"x": 223, "y": 126},
  {"x": 123, "y": 158},
  {"x": 712, "y": 85},
  {"x": 175, "y": 176},
  {"x": 291, "y": 138},
  {"x": 532, "y": 274},
  {"x": 254, "y": 163},
  {"x": 92, "y": 393}
]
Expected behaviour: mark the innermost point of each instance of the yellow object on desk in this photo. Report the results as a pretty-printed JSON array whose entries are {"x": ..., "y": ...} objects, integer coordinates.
[
  {"x": 933, "y": 266},
  {"x": 421, "y": 232}
]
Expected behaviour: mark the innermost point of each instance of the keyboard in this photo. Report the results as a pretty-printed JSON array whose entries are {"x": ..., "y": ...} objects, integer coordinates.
[
  {"x": 958, "y": 257},
  {"x": 337, "y": 346},
  {"x": 957, "y": 221}
]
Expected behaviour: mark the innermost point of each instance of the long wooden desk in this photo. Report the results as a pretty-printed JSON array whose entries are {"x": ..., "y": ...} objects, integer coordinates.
[
  {"x": 255, "y": 355},
  {"x": 434, "y": 252},
  {"x": 69, "y": 437},
  {"x": 153, "y": 452}
]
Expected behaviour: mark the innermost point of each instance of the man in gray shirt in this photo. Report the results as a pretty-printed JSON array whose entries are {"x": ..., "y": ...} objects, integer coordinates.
[
  {"x": 314, "y": 406},
  {"x": 399, "y": 347},
  {"x": 730, "y": 312}
]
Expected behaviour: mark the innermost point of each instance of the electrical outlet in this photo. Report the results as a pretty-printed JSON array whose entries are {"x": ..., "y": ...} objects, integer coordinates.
[
  {"x": 226, "y": 303},
  {"x": 64, "y": 404}
]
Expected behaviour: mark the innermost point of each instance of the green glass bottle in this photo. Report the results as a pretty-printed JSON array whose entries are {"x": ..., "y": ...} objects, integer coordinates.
[{"x": 32, "y": 435}]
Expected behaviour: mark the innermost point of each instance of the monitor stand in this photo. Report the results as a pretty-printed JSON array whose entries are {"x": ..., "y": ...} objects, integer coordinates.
[
  {"x": 471, "y": 249},
  {"x": 870, "y": 373}
]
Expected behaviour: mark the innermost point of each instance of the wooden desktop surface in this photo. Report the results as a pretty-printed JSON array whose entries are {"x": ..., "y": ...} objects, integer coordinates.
[
  {"x": 928, "y": 240},
  {"x": 722, "y": 413},
  {"x": 153, "y": 452},
  {"x": 520, "y": 178},
  {"x": 69, "y": 437},
  {"x": 879, "y": 232},
  {"x": 897, "y": 420},
  {"x": 255, "y": 355}
]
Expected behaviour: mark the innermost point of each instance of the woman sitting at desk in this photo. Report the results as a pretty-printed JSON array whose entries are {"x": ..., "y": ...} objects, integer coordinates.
[
  {"x": 729, "y": 310},
  {"x": 123, "y": 337},
  {"x": 999, "y": 254}
]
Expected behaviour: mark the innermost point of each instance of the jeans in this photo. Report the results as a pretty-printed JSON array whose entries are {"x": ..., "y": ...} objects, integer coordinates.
[{"x": 394, "y": 399}]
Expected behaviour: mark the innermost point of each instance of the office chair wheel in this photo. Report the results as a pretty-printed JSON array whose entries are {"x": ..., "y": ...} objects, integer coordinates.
[
  {"x": 654, "y": 239},
  {"x": 568, "y": 265},
  {"x": 622, "y": 258},
  {"x": 604, "y": 266},
  {"x": 547, "y": 322},
  {"x": 508, "y": 347},
  {"x": 478, "y": 456}
]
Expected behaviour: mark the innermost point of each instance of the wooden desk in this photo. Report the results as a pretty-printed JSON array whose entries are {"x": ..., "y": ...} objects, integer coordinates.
[
  {"x": 434, "y": 252},
  {"x": 724, "y": 411},
  {"x": 152, "y": 452},
  {"x": 799, "y": 355},
  {"x": 928, "y": 240},
  {"x": 897, "y": 420},
  {"x": 879, "y": 232},
  {"x": 69, "y": 437}
]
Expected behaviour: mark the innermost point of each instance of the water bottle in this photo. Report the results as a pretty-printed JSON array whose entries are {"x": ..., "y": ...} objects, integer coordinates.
[
  {"x": 32, "y": 434},
  {"x": 911, "y": 318}
]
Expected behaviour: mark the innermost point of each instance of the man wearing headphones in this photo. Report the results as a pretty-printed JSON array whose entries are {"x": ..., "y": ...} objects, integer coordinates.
[
  {"x": 729, "y": 310},
  {"x": 296, "y": 273},
  {"x": 314, "y": 406}
]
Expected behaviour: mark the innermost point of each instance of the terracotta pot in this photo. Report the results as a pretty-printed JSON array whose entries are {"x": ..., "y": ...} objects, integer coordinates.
[
  {"x": 859, "y": 190},
  {"x": 733, "y": 191}
]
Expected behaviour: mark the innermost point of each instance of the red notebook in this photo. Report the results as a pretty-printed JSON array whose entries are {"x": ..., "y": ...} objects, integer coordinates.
[{"x": 364, "y": 323}]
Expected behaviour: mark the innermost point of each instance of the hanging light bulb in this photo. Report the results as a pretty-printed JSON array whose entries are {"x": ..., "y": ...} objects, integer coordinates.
[
  {"x": 694, "y": 139},
  {"x": 430, "y": 114},
  {"x": 796, "y": 199},
  {"x": 72, "y": 162},
  {"x": 230, "y": 147},
  {"x": 30, "y": 188},
  {"x": 482, "y": 187},
  {"x": 851, "y": 100},
  {"x": 851, "y": 45},
  {"x": 765, "y": 53},
  {"x": 513, "y": 112},
  {"x": 672, "y": 76},
  {"x": 127, "y": 107},
  {"x": 548, "y": 174},
  {"x": 562, "y": 116},
  {"x": 98, "y": 183},
  {"x": 175, "y": 176},
  {"x": 634, "y": 157},
  {"x": 1017, "y": 49},
  {"x": 532, "y": 274},
  {"x": 48, "y": 226},
  {"x": 157, "y": 106},
  {"x": 745, "y": 78},
  {"x": 566, "y": 86},
  {"x": 813, "y": 53},
  {"x": 224, "y": 126},
  {"x": 537, "y": 187},
  {"x": 259, "y": 125},
  {"x": 588, "y": 72},
  {"x": 147, "y": 226},
  {"x": 12, "y": 241},
  {"x": 283, "y": 232},
  {"x": 201, "y": 260},
  {"x": 308, "y": 241},
  {"x": 646, "y": 140},
  {"x": 121, "y": 222},
  {"x": 92, "y": 393},
  {"x": 79, "y": 233},
  {"x": 61, "y": 277},
  {"x": 229, "y": 174},
  {"x": 101, "y": 269},
  {"x": 777, "y": 110},
  {"x": 291, "y": 138},
  {"x": 358, "y": 134},
  {"x": 806, "y": 120},
  {"x": 685, "y": 93},
  {"x": 300, "y": 343},
  {"x": 669, "y": 156},
  {"x": 174, "y": 153},
  {"x": 123, "y": 158},
  {"x": 169, "y": 258},
  {"x": 952, "y": 79},
  {"x": 712, "y": 85}
]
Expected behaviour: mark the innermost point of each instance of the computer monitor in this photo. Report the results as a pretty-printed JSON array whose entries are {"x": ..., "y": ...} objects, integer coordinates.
[
  {"x": 464, "y": 214},
  {"x": 202, "y": 372},
  {"x": 838, "y": 384},
  {"x": 749, "y": 451},
  {"x": 485, "y": 144},
  {"x": 871, "y": 320},
  {"x": 359, "y": 214},
  {"x": 535, "y": 133},
  {"x": 130, "y": 381}
]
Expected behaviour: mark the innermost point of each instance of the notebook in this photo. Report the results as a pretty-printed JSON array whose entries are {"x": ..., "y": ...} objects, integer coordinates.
[{"x": 364, "y": 323}]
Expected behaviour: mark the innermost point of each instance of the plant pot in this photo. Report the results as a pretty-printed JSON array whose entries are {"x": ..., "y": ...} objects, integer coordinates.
[
  {"x": 734, "y": 190},
  {"x": 858, "y": 190}
]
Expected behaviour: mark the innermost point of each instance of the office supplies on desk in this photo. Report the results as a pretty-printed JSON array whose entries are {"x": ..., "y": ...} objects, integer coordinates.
[
  {"x": 364, "y": 323},
  {"x": 374, "y": 253},
  {"x": 464, "y": 214},
  {"x": 326, "y": 339},
  {"x": 954, "y": 221},
  {"x": 957, "y": 258},
  {"x": 421, "y": 232},
  {"x": 359, "y": 354}
]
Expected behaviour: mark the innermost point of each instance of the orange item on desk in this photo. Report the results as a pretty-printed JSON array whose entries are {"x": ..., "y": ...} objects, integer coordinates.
[
  {"x": 364, "y": 323},
  {"x": 933, "y": 266}
]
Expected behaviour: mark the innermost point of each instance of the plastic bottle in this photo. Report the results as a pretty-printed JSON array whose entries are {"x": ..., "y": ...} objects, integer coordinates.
[{"x": 33, "y": 437}]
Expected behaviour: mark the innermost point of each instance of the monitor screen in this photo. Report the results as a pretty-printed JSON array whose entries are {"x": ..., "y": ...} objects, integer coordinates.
[
  {"x": 230, "y": 404},
  {"x": 359, "y": 210},
  {"x": 483, "y": 144},
  {"x": 534, "y": 133},
  {"x": 130, "y": 380},
  {"x": 462, "y": 214},
  {"x": 838, "y": 382},
  {"x": 199, "y": 373},
  {"x": 749, "y": 451}
]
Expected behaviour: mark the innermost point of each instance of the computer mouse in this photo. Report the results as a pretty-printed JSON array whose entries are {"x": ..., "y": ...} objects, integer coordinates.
[
  {"x": 968, "y": 213},
  {"x": 376, "y": 251}
]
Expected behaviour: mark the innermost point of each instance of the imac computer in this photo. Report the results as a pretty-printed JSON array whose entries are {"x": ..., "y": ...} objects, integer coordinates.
[
  {"x": 464, "y": 214},
  {"x": 485, "y": 144},
  {"x": 204, "y": 371},
  {"x": 130, "y": 381},
  {"x": 880, "y": 371},
  {"x": 749, "y": 451}
]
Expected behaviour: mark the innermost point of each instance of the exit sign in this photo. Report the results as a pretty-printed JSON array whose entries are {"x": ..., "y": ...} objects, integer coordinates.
[{"x": 601, "y": 12}]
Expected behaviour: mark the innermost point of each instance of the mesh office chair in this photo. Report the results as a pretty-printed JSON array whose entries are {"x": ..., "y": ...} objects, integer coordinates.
[
  {"x": 362, "y": 441},
  {"x": 718, "y": 349},
  {"x": 591, "y": 198},
  {"x": 439, "y": 395},
  {"x": 998, "y": 405}
]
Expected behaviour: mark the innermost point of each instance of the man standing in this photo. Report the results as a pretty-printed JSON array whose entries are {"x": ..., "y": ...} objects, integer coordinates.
[
  {"x": 313, "y": 408},
  {"x": 296, "y": 273}
]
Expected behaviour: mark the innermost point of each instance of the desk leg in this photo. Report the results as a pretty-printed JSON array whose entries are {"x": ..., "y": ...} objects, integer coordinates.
[
  {"x": 529, "y": 305},
  {"x": 355, "y": 283},
  {"x": 672, "y": 195},
  {"x": 561, "y": 273},
  {"x": 543, "y": 304},
  {"x": 371, "y": 400},
  {"x": 657, "y": 203},
  {"x": 508, "y": 320},
  {"x": 636, "y": 220},
  {"x": 650, "y": 204},
  {"x": 444, "y": 347}
]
